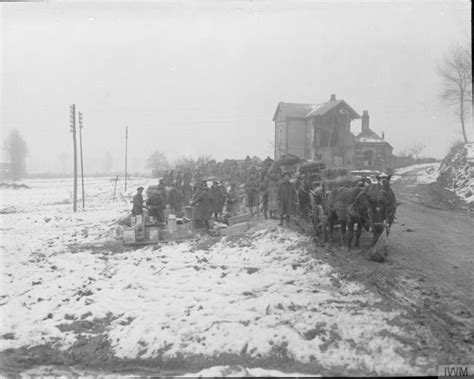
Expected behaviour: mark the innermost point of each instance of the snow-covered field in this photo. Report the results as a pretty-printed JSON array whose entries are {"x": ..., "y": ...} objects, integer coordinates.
[{"x": 264, "y": 295}]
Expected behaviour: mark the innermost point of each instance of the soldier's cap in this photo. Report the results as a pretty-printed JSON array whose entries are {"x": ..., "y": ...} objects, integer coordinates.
[{"x": 140, "y": 189}]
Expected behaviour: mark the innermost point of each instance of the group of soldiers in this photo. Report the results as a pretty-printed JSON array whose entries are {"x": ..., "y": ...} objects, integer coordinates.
[
  {"x": 209, "y": 201},
  {"x": 270, "y": 192}
]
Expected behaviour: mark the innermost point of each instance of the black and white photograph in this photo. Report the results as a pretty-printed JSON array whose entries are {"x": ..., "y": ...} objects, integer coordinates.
[{"x": 248, "y": 188}]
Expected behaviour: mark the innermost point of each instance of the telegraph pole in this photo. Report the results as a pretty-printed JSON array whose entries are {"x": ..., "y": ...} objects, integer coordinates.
[
  {"x": 72, "y": 117},
  {"x": 126, "y": 143},
  {"x": 81, "y": 125}
]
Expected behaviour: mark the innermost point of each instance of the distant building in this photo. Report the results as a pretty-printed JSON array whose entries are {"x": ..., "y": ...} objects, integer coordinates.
[
  {"x": 323, "y": 132},
  {"x": 316, "y": 131},
  {"x": 372, "y": 151}
]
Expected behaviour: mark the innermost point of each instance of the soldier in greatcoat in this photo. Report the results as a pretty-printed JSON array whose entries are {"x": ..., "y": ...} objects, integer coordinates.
[
  {"x": 251, "y": 189},
  {"x": 138, "y": 206},
  {"x": 265, "y": 192},
  {"x": 286, "y": 199},
  {"x": 203, "y": 201},
  {"x": 187, "y": 191},
  {"x": 233, "y": 202},
  {"x": 217, "y": 195},
  {"x": 175, "y": 199}
]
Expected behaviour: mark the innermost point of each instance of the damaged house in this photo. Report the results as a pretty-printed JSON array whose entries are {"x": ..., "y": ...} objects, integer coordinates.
[
  {"x": 372, "y": 151},
  {"x": 323, "y": 132}
]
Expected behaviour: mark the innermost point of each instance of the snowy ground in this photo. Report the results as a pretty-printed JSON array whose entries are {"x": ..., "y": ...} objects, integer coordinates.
[
  {"x": 423, "y": 173},
  {"x": 264, "y": 295}
]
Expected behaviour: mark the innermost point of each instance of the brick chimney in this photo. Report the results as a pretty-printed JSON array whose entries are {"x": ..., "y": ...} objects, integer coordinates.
[
  {"x": 383, "y": 135},
  {"x": 333, "y": 97},
  {"x": 365, "y": 121}
]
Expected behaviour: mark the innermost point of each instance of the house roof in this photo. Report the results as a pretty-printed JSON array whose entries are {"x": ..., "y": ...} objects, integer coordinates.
[
  {"x": 369, "y": 136},
  {"x": 311, "y": 110}
]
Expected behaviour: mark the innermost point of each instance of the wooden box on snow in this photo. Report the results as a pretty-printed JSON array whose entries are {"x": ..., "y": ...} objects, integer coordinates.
[
  {"x": 152, "y": 234},
  {"x": 129, "y": 235},
  {"x": 234, "y": 230},
  {"x": 140, "y": 232},
  {"x": 183, "y": 231},
  {"x": 238, "y": 219},
  {"x": 188, "y": 212}
]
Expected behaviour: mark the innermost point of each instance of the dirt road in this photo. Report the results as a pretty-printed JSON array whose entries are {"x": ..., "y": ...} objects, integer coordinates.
[
  {"x": 438, "y": 245},
  {"x": 433, "y": 236},
  {"x": 429, "y": 269}
]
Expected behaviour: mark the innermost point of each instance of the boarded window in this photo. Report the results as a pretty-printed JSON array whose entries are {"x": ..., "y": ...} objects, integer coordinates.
[
  {"x": 324, "y": 137},
  {"x": 334, "y": 136}
]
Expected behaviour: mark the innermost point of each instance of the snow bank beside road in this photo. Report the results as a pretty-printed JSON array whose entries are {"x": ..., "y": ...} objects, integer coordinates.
[
  {"x": 423, "y": 173},
  {"x": 457, "y": 171}
]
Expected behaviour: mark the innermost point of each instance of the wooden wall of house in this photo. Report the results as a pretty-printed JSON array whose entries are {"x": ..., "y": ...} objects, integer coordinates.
[
  {"x": 382, "y": 157},
  {"x": 337, "y": 147},
  {"x": 297, "y": 137}
]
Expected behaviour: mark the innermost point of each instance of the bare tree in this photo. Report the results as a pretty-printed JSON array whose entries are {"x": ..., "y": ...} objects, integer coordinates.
[
  {"x": 158, "y": 162},
  {"x": 456, "y": 76},
  {"x": 415, "y": 150},
  {"x": 185, "y": 164},
  {"x": 15, "y": 145}
]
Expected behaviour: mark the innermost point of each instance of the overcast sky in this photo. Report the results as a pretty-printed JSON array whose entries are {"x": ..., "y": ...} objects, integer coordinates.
[{"x": 205, "y": 78}]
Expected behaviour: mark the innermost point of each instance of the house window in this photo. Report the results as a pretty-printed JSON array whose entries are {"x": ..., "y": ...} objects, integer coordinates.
[{"x": 369, "y": 158}]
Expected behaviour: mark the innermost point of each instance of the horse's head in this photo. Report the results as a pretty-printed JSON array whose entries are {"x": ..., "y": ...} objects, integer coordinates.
[
  {"x": 385, "y": 183},
  {"x": 371, "y": 210}
]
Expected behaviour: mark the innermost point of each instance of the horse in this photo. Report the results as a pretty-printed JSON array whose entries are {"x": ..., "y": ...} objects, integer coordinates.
[
  {"x": 382, "y": 192},
  {"x": 352, "y": 206}
]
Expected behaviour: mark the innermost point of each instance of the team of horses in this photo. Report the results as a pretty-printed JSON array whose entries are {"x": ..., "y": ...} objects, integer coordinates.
[{"x": 369, "y": 206}]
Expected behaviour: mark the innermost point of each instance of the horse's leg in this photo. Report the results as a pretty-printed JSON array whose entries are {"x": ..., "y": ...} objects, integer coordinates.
[
  {"x": 331, "y": 227},
  {"x": 350, "y": 225},
  {"x": 343, "y": 232},
  {"x": 358, "y": 234},
  {"x": 323, "y": 233}
]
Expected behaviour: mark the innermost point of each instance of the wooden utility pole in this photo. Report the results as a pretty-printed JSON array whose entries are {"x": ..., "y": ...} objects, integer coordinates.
[
  {"x": 72, "y": 117},
  {"x": 81, "y": 125},
  {"x": 126, "y": 143}
]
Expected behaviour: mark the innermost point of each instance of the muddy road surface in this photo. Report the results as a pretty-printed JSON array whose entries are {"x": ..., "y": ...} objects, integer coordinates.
[
  {"x": 429, "y": 270},
  {"x": 437, "y": 244}
]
